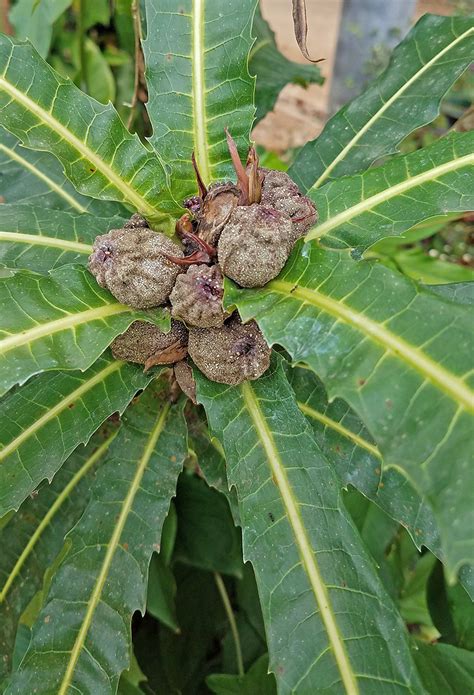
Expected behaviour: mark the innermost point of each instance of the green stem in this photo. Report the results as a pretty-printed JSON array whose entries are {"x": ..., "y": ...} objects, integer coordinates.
[
  {"x": 232, "y": 623},
  {"x": 82, "y": 47}
]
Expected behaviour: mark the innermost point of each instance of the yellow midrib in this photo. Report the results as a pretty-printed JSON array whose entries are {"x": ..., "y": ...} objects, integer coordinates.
[
  {"x": 199, "y": 92},
  {"x": 112, "y": 547},
  {"x": 418, "y": 360},
  {"x": 63, "y": 324},
  {"x": 46, "y": 520},
  {"x": 340, "y": 429},
  {"x": 41, "y": 240},
  {"x": 387, "y": 105},
  {"x": 39, "y": 174},
  {"x": 58, "y": 408},
  {"x": 130, "y": 195},
  {"x": 303, "y": 543},
  {"x": 388, "y": 194}
]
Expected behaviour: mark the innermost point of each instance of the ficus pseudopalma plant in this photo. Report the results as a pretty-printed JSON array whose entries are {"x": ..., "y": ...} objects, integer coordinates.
[{"x": 369, "y": 382}]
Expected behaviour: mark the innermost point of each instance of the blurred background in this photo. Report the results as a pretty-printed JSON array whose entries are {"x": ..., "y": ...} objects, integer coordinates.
[{"x": 367, "y": 29}]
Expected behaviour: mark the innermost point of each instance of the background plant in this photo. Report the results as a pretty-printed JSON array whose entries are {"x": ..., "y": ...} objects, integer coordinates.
[{"x": 355, "y": 511}]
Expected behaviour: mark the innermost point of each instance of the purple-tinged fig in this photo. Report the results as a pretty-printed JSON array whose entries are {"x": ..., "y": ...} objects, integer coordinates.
[
  {"x": 132, "y": 263},
  {"x": 197, "y": 295},
  {"x": 230, "y": 354}
]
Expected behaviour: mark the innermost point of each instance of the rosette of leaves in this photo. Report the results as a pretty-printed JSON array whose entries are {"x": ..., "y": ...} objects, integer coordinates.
[{"x": 82, "y": 508}]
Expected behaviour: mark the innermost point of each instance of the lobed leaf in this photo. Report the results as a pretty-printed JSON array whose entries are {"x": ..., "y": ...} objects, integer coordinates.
[
  {"x": 44, "y": 421},
  {"x": 64, "y": 321},
  {"x": 41, "y": 239},
  {"x": 329, "y": 626},
  {"x": 397, "y": 354},
  {"x": 102, "y": 580},
  {"x": 405, "y": 96},
  {"x": 37, "y": 178},
  {"x": 48, "y": 112},
  {"x": 273, "y": 71},
  {"x": 388, "y": 200},
  {"x": 34, "y": 536},
  {"x": 198, "y": 84}
]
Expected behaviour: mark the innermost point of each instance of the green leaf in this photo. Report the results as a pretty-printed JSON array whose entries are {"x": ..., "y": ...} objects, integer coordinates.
[
  {"x": 95, "y": 12},
  {"x": 97, "y": 74},
  {"x": 460, "y": 292},
  {"x": 64, "y": 321},
  {"x": 445, "y": 669},
  {"x": 256, "y": 680},
  {"x": 398, "y": 355},
  {"x": 417, "y": 264},
  {"x": 388, "y": 200},
  {"x": 161, "y": 591},
  {"x": 103, "y": 578},
  {"x": 405, "y": 96},
  {"x": 36, "y": 178},
  {"x": 130, "y": 680},
  {"x": 211, "y": 461},
  {"x": 34, "y": 536},
  {"x": 33, "y": 20},
  {"x": 349, "y": 447},
  {"x": 198, "y": 84},
  {"x": 50, "y": 416},
  {"x": 47, "y": 112},
  {"x": 207, "y": 537},
  {"x": 40, "y": 239},
  {"x": 462, "y": 612},
  {"x": 301, "y": 543},
  {"x": 273, "y": 70}
]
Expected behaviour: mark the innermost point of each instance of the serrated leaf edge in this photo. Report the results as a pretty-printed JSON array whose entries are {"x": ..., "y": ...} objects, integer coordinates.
[
  {"x": 454, "y": 387},
  {"x": 388, "y": 193},
  {"x": 114, "y": 542},
  {"x": 129, "y": 193},
  {"x": 306, "y": 553},
  {"x": 59, "y": 407},
  {"x": 12, "y": 154},
  {"x": 387, "y": 105},
  {"x": 46, "y": 520}
]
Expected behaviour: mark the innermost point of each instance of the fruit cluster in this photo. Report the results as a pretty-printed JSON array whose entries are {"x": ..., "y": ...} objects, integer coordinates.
[{"x": 245, "y": 232}]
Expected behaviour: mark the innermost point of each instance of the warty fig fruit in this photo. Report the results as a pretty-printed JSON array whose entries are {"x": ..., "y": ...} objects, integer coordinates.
[
  {"x": 254, "y": 245},
  {"x": 230, "y": 354}
]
